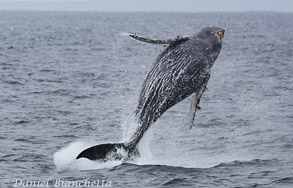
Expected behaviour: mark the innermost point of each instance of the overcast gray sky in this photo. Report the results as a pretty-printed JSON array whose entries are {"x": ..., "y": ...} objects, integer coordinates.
[{"x": 149, "y": 5}]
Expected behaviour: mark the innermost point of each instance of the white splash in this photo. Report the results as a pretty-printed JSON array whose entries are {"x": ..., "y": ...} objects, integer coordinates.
[
  {"x": 128, "y": 126},
  {"x": 65, "y": 158},
  {"x": 144, "y": 148}
]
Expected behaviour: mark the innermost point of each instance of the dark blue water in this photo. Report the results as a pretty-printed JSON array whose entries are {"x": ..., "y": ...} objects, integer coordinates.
[{"x": 69, "y": 80}]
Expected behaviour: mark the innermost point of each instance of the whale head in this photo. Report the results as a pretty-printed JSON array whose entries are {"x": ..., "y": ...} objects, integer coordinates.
[{"x": 215, "y": 34}]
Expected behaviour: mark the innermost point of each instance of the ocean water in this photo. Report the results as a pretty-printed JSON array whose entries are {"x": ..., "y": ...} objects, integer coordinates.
[{"x": 70, "y": 80}]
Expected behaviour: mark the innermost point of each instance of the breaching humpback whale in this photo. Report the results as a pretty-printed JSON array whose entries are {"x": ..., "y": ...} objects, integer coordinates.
[{"x": 182, "y": 69}]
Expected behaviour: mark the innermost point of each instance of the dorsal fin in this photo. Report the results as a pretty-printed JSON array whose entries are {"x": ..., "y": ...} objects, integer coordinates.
[{"x": 154, "y": 41}]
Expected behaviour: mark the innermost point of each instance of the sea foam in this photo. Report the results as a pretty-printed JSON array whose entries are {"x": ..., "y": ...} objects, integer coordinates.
[{"x": 65, "y": 158}]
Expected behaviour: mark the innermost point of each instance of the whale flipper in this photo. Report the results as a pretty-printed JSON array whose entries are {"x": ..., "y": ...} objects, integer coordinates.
[
  {"x": 155, "y": 41},
  {"x": 196, "y": 100}
]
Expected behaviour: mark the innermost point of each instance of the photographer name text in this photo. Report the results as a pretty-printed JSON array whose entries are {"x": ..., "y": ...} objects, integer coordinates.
[{"x": 55, "y": 183}]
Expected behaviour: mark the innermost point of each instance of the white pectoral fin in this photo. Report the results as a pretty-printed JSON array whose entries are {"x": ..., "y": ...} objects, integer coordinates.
[
  {"x": 148, "y": 40},
  {"x": 155, "y": 41},
  {"x": 195, "y": 101},
  {"x": 195, "y": 104},
  {"x": 192, "y": 110}
]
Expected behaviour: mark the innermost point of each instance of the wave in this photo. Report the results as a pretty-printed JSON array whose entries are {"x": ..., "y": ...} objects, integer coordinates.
[{"x": 247, "y": 163}]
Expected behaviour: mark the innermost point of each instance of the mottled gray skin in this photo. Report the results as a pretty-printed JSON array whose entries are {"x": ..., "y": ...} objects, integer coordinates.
[{"x": 180, "y": 70}]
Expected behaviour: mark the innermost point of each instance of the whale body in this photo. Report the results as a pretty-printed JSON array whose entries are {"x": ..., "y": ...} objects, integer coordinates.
[{"x": 182, "y": 69}]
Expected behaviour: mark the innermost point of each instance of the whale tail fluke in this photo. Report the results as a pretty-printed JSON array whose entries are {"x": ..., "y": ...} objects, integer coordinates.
[
  {"x": 103, "y": 152},
  {"x": 114, "y": 151}
]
